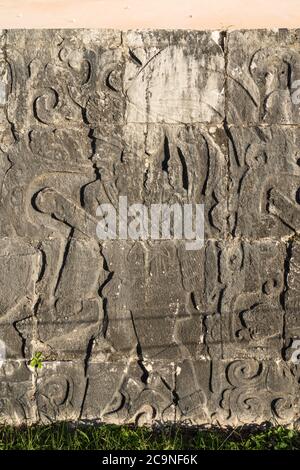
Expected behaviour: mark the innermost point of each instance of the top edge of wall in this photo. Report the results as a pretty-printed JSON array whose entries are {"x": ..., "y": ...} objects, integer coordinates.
[{"x": 149, "y": 14}]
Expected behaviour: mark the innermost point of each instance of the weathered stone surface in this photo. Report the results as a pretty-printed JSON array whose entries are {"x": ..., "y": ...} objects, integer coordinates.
[
  {"x": 250, "y": 320},
  {"x": 264, "y": 177},
  {"x": 174, "y": 77},
  {"x": 262, "y": 72},
  {"x": 17, "y": 401},
  {"x": 144, "y": 330},
  {"x": 60, "y": 389}
]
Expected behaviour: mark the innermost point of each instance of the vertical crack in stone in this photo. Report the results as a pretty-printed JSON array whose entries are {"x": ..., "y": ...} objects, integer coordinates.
[
  {"x": 139, "y": 352},
  {"x": 12, "y": 124}
]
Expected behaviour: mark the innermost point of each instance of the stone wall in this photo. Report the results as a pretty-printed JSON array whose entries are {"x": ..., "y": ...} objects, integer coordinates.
[{"x": 146, "y": 330}]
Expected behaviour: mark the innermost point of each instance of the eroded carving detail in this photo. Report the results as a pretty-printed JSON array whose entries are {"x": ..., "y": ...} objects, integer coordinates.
[{"x": 145, "y": 331}]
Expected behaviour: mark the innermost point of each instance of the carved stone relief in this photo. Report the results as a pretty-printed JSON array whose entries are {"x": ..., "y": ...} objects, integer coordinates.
[{"x": 134, "y": 330}]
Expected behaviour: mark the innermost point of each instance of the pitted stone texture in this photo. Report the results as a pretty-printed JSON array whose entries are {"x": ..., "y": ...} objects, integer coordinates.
[
  {"x": 125, "y": 391},
  {"x": 52, "y": 80},
  {"x": 250, "y": 320},
  {"x": 263, "y": 73},
  {"x": 60, "y": 388},
  {"x": 291, "y": 298},
  {"x": 264, "y": 181},
  {"x": 17, "y": 399},
  {"x": 162, "y": 163},
  {"x": 19, "y": 272},
  {"x": 146, "y": 331},
  {"x": 255, "y": 391}
]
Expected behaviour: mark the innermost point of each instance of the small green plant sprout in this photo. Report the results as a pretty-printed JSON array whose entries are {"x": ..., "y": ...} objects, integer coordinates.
[{"x": 37, "y": 360}]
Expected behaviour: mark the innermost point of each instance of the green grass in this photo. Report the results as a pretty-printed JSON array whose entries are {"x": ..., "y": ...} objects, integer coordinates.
[{"x": 110, "y": 437}]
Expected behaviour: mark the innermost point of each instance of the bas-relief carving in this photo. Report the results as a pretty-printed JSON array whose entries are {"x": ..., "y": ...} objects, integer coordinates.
[{"x": 146, "y": 331}]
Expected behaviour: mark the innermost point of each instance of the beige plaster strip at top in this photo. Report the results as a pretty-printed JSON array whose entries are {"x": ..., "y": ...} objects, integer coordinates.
[{"x": 170, "y": 14}]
